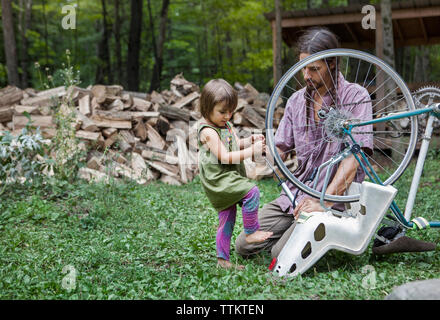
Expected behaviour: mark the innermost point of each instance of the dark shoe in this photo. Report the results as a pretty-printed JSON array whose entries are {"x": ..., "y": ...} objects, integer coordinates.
[{"x": 404, "y": 244}]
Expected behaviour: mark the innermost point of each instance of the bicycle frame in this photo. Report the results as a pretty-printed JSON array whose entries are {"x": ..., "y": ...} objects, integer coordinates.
[{"x": 434, "y": 111}]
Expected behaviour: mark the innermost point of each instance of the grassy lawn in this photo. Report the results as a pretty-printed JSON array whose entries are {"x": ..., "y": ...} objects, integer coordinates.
[{"x": 127, "y": 241}]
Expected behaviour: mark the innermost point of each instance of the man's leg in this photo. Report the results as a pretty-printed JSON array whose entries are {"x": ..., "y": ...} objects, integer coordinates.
[
  {"x": 271, "y": 218},
  {"x": 276, "y": 249}
]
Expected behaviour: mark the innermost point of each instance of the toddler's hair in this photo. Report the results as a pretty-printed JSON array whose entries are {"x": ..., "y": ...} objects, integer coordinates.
[{"x": 214, "y": 92}]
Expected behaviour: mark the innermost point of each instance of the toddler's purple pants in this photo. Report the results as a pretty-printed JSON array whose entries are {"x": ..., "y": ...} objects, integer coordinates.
[{"x": 249, "y": 208}]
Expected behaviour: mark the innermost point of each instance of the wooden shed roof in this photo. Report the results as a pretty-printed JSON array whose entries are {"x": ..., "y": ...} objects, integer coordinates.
[{"x": 415, "y": 22}]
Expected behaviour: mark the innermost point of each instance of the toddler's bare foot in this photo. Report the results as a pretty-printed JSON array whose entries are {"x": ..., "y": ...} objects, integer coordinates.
[
  {"x": 258, "y": 236},
  {"x": 227, "y": 265}
]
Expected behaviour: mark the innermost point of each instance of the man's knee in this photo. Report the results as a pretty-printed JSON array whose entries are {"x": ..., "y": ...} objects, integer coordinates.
[
  {"x": 242, "y": 247},
  {"x": 245, "y": 249}
]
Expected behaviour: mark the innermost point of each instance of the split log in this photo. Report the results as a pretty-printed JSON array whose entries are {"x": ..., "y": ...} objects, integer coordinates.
[
  {"x": 124, "y": 115},
  {"x": 186, "y": 100},
  {"x": 6, "y": 113},
  {"x": 251, "y": 90},
  {"x": 94, "y": 163},
  {"x": 140, "y": 167},
  {"x": 127, "y": 99},
  {"x": 140, "y": 130},
  {"x": 182, "y": 86},
  {"x": 156, "y": 98},
  {"x": 253, "y": 117},
  {"x": 260, "y": 110},
  {"x": 10, "y": 95},
  {"x": 241, "y": 103},
  {"x": 183, "y": 158},
  {"x": 40, "y": 101},
  {"x": 116, "y": 105},
  {"x": 95, "y": 105},
  {"x": 110, "y": 140},
  {"x": 174, "y": 113},
  {"x": 105, "y": 94},
  {"x": 106, "y": 123},
  {"x": 155, "y": 140},
  {"x": 163, "y": 168},
  {"x": 139, "y": 95},
  {"x": 141, "y": 104},
  {"x": 37, "y": 121},
  {"x": 151, "y": 154},
  {"x": 162, "y": 125},
  {"x": 128, "y": 137},
  {"x": 124, "y": 146},
  {"x": 19, "y": 110},
  {"x": 116, "y": 156},
  {"x": 92, "y": 136},
  {"x": 125, "y": 171},
  {"x": 54, "y": 92},
  {"x": 239, "y": 120},
  {"x": 86, "y": 123},
  {"x": 48, "y": 133},
  {"x": 107, "y": 132}
]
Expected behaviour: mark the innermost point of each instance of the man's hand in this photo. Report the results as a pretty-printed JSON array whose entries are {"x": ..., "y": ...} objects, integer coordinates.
[{"x": 308, "y": 205}]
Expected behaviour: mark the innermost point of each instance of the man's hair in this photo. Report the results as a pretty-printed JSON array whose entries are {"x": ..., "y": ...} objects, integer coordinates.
[
  {"x": 318, "y": 39},
  {"x": 217, "y": 91}
]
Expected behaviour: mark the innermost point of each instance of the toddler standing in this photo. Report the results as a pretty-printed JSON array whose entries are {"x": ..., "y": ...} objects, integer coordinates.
[{"x": 222, "y": 170}]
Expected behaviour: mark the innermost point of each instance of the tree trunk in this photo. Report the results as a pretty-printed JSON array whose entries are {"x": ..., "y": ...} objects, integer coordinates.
[
  {"x": 10, "y": 45},
  {"x": 134, "y": 45},
  {"x": 104, "y": 74},
  {"x": 219, "y": 50},
  {"x": 158, "y": 64},
  {"x": 117, "y": 33},
  {"x": 25, "y": 21},
  {"x": 278, "y": 44},
  {"x": 46, "y": 35}
]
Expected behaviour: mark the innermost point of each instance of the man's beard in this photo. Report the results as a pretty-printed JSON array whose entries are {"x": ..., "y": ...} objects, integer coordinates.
[{"x": 313, "y": 85}]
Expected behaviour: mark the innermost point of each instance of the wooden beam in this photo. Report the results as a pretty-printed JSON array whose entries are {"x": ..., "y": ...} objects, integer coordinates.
[
  {"x": 422, "y": 25},
  {"x": 322, "y": 20},
  {"x": 412, "y": 13},
  {"x": 409, "y": 13}
]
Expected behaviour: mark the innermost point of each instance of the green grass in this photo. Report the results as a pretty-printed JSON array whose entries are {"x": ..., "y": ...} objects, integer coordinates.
[{"x": 158, "y": 242}]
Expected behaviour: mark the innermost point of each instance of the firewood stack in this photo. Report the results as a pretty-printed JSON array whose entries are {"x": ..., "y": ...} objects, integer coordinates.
[{"x": 140, "y": 136}]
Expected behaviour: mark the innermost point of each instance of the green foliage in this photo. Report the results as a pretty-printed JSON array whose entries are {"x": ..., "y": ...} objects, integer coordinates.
[
  {"x": 128, "y": 241},
  {"x": 18, "y": 157},
  {"x": 205, "y": 39}
]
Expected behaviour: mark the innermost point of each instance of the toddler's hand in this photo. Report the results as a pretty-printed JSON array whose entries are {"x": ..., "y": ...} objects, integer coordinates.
[
  {"x": 258, "y": 148},
  {"x": 258, "y": 137}
]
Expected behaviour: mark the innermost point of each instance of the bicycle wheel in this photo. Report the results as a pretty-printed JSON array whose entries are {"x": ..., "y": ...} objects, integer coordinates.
[{"x": 297, "y": 109}]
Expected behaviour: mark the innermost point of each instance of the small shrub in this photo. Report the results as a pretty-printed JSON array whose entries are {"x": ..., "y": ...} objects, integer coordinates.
[{"x": 19, "y": 157}]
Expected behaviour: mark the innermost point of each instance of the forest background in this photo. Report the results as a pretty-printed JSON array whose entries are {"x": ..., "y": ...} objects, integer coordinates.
[{"x": 143, "y": 44}]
